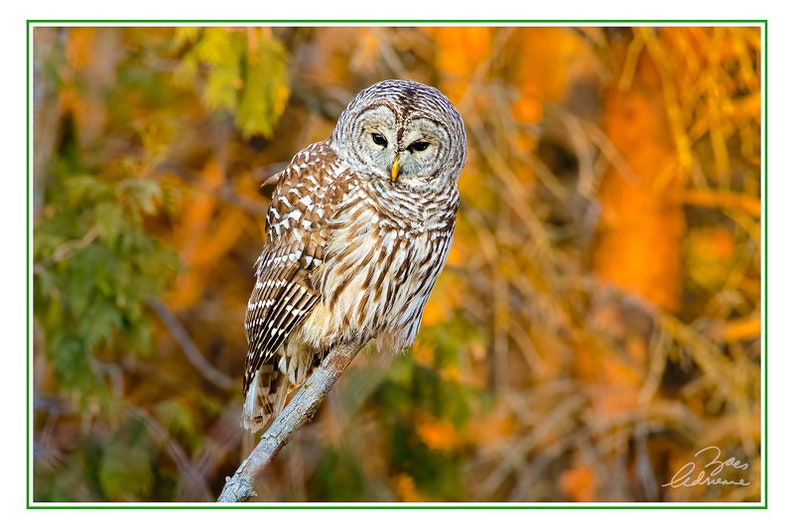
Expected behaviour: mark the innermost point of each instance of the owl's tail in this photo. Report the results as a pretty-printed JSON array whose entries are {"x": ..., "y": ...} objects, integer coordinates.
[
  {"x": 265, "y": 398},
  {"x": 275, "y": 382}
]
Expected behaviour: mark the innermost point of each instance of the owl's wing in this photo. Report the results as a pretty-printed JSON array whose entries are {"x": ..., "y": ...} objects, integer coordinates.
[{"x": 297, "y": 234}]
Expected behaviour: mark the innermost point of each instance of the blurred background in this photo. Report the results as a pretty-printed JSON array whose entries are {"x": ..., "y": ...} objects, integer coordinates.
[{"x": 598, "y": 321}]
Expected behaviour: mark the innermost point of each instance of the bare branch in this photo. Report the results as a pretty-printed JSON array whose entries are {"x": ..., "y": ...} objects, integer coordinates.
[
  {"x": 298, "y": 412},
  {"x": 192, "y": 352}
]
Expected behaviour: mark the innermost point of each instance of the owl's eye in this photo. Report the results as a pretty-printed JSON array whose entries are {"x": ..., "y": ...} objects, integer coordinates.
[
  {"x": 418, "y": 146},
  {"x": 379, "y": 140}
]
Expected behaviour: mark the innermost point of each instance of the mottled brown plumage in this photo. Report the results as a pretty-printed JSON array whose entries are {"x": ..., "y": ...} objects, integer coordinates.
[{"x": 358, "y": 230}]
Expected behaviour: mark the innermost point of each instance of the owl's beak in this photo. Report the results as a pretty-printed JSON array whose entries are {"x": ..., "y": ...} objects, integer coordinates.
[{"x": 395, "y": 167}]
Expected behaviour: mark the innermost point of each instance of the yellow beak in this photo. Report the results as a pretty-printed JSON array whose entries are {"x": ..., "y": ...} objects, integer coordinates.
[{"x": 395, "y": 167}]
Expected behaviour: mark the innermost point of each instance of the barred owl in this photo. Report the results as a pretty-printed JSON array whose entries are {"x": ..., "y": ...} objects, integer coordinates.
[{"x": 358, "y": 229}]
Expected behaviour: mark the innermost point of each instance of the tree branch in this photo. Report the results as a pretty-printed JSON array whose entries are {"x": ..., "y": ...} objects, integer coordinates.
[
  {"x": 300, "y": 409},
  {"x": 192, "y": 353}
]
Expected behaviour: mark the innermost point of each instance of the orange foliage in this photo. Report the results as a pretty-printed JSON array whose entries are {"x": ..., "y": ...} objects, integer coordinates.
[
  {"x": 461, "y": 52},
  {"x": 193, "y": 234},
  {"x": 579, "y": 483},
  {"x": 527, "y": 110},
  {"x": 612, "y": 382},
  {"x": 491, "y": 429},
  {"x": 80, "y": 48},
  {"x": 550, "y": 58},
  {"x": 641, "y": 227},
  {"x": 406, "y": 489},
  {"x": 436, "y": 433},
  {"x": 548, "y": 64}
]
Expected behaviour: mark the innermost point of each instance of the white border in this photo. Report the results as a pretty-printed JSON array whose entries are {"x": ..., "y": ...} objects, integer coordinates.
[{"x": 692, "y": 12}]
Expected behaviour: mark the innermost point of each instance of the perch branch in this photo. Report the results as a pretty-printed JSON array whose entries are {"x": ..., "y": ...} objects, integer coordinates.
[{"x": 300, "y": 409}]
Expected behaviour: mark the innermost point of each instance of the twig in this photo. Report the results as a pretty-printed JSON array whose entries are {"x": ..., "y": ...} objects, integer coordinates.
[
  {"x": 64, "y": 250},
  {"x": 192, "y": 352},
  {"x": 301, "y": 408}
]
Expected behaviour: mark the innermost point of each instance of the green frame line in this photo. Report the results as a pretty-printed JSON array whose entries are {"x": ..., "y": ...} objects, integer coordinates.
[
  {"x": 398, "y": 21},
  {"x": 28, "y": 258},
  {"x": 763, "y": 505},
  {"x": 393, "y": 507},
  {"x": 765, "y": 254}
]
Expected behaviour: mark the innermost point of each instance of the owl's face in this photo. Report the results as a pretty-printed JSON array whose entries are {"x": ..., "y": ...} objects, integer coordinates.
[{"x": 405, "y": 132}]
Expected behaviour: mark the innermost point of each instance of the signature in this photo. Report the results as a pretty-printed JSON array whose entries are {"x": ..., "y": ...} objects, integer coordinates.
[{"x": 713, "y": 466}]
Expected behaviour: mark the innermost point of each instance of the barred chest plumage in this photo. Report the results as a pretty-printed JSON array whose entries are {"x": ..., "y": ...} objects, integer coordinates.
[{"x": 379, "y": 267}]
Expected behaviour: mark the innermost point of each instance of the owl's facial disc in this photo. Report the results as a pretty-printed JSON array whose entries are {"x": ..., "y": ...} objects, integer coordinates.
[{"x": 404, "y": 149}]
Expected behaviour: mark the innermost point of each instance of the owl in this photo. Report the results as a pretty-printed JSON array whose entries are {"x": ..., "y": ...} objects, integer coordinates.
[{"x": 358, "y": 229}]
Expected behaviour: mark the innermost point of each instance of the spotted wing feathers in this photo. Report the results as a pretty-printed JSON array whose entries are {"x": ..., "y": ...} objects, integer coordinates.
[{"x": 284, "y": 293}]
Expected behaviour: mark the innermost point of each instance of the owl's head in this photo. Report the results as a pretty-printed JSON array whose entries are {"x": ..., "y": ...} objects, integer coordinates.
[{"x": 403, "y": 131}]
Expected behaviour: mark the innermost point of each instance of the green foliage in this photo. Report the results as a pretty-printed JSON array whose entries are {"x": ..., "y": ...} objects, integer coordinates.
[
  {"x": 176, "y": 416},
  {"x": 113, "y": 463},
  {"x": 126, "y": 465},
  {"x": 244, "y": 72},
  {"x": 62, "y": 481},
  {"x": 338, "y": 476},
  {"x": 95, "y": 268}
]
